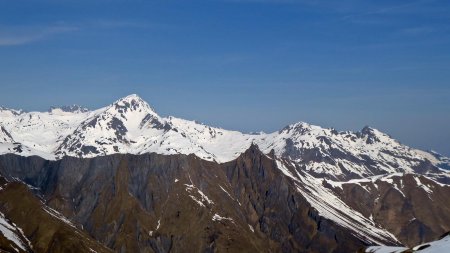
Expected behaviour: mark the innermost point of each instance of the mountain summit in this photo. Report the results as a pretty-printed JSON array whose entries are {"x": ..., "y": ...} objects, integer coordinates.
[
  {"x": 131, "y": 125},
  {"x": 132, "y": 103}
]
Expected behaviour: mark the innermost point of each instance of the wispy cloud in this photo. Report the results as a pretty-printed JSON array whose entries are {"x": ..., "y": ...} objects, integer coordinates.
[
  {"x": 13, "y": 35},
  {"x": 418, "y": 30},
  {"x": 393, "y": 9},
  {"x": 112, "y": 24},
  {"x": 20, "y": 35}
]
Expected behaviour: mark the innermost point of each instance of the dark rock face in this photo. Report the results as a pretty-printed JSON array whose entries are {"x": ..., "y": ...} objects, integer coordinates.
[
  {"x": 274, "y": 207},
  {"x": 119, "y": 128},
  {"x": 157, "y": 203}
]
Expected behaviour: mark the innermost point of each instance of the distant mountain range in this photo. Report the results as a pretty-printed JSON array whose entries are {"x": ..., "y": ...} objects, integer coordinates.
[{"x": 128, "y": 180}]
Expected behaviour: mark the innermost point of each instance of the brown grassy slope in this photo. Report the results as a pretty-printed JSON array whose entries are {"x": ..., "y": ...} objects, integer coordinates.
[{"x": 46, "y": 232}]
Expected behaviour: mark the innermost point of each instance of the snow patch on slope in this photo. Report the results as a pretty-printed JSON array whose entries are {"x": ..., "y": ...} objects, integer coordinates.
[
  {"x": 217, "y": 217},
  {"x": 11, "y": 233},
  {"x": 203, "y": 200},
  {"x": 331, "y": 207}
]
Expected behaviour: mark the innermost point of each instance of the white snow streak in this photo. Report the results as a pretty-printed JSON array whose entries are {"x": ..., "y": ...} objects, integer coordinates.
[{"x": 10, "y": 232}]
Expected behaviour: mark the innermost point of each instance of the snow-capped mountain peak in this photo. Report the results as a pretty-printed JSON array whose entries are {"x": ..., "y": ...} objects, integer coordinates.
[
  {"x": 132, "y": 103},
  {"x": 122, "y": 127},
  {"x": 135, "y": 113},
  {"x": 131, "y": 125},
  {"x": 299, "y": 127}
]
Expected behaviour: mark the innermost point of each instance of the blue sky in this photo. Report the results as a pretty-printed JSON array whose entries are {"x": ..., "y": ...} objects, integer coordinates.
[{"x": 248, "y": 65}]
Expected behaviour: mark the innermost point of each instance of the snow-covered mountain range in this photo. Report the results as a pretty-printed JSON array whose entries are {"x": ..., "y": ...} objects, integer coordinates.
[
  {"x": 131, "y": 125},
  {"x": 364, "y": 182}
]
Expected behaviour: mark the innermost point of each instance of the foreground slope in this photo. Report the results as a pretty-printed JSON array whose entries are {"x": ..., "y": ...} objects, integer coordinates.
[
  {"x": 157, "y": 203},
  {"x": 28, "y": 225}
]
